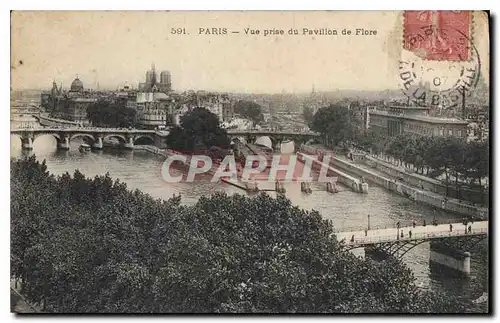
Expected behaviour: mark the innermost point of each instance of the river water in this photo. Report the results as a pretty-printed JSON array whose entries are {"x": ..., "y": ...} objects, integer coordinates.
[{"x": 347, "y": 210}]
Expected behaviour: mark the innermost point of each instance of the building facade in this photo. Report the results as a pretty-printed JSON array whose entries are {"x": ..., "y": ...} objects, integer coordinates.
[
  {"x": 154, "y": 109},
  {"x": 399, "y": 120},
  {"x": 218, "y": 104},
  {"x": 69, "y": 105}
]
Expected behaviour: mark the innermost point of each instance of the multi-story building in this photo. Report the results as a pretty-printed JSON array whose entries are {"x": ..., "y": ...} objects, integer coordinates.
[
  {"x": 415, "y": 120},
  {"x": 154, "y": 109},
  {"x": 218, "y": 104},
  {"x": 71, "y": 105}
]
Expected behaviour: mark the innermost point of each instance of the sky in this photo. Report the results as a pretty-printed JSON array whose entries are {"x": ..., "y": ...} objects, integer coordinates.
[{"x": 117, "y": 48}]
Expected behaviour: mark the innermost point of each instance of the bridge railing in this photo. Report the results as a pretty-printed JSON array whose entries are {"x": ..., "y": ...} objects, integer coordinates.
[
  {"x": 415, "y": 236},
  {"x": 233, "y": 131},
  {"x": 82, "y": 129}
]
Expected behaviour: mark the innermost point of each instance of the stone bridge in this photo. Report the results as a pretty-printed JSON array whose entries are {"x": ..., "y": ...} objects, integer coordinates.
[
  {"x": 92, "y": 136},
  {"x": 276, "y": 136},
  {"x": 129, "y": 137}
]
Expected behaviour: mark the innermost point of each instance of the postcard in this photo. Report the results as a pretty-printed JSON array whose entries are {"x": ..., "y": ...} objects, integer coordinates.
[{"x": 321, "y": 162}]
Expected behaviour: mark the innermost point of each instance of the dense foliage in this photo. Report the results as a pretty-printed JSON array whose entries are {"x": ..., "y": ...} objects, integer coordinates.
[
  {"x": 106, "y": 113},
  {"x": 199, "y": 130},
  {"x": 337, "y": 122},
  {"x": 433, "y": 156},
  {"x": 250, "y": 110},
  {"x": 308, "y": 114},
  {"x": 91, "y": 245},
  {"x": 438, "y": 155}
]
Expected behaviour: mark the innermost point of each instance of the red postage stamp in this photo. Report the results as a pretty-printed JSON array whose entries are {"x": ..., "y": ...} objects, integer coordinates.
[{"x": 438, "y": 35}]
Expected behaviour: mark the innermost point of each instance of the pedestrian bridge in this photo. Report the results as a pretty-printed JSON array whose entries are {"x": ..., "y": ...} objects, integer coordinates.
[
  {"x": 418, "y": 233},
  {"x": 448, "y": 243}
]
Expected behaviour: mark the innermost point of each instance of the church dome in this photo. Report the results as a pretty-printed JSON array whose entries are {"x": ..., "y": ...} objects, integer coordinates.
[{"x": 76, "y": 85}]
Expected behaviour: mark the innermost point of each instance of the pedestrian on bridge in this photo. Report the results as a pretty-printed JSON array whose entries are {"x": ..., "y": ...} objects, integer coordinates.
[
  {"x": 451, "y": 227},
  {"x": 366, "y": 232},
  {"x": 414, "y": 223},
  {"x": 425, "y": 223},
  {"x": 409, "y": 233},
  {"x": 470, "y": 229},
  {"x": 402, "y": 234},
  {"x": 352, "y": 238}
]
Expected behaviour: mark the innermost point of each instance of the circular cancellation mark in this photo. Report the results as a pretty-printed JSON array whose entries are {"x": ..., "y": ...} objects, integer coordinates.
[{"x": 438, "y": 82}]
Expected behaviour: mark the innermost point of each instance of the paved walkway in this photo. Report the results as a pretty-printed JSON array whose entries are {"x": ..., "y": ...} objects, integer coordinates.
[
  {"x": 440, "y": 180},
  {"x": 418, "y": 233},
  {"x": 395, "y": 179}
]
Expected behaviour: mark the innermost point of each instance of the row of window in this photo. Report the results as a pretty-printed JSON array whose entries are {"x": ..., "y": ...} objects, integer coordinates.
[
  {"x": 430, "y": 131},
  {"x": 415, "y": 128}
]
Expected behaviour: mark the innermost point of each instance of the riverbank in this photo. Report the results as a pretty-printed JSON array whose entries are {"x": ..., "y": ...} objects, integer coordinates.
[
  {"x": 47, "y": 121},
  {"x": 395, "y": 185},
  {"x": 467, "y": 195},
  {"x": 351, "y": 182}
]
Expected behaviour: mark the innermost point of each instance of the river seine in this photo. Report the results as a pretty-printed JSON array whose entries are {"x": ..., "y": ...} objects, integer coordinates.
[{"x": 142, "y": 170}]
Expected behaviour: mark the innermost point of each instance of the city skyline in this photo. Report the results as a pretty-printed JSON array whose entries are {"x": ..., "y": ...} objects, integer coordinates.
[{"x": 117, "y": 48}]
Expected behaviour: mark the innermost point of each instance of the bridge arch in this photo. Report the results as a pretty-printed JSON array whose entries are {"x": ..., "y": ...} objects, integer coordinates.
[
  {"x": 83, "y": 135},
  {"x": 266, "y": 141},
  {"x": 54, "y": 135},
  {"x": 397, "y": 249},
  {"x": 15, "y": 140},
  {"x": 120, "y": 138},
  {"x": 150, "y": 140}
]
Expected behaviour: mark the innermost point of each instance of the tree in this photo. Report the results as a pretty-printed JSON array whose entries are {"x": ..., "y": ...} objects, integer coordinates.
[
  {"x": 106, "y": 113},
  {"x": 92, "y": 245},
  {"x": 250, "y": 110},
  {"x": 336, "y": 122},
  {"x": 308, "y": 115},
  {"x": 476, "y": 163},
  {"x": 199, "y": 130}
]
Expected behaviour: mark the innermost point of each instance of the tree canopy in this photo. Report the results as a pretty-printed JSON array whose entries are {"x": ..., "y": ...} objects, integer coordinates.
[
  {"x": 250, "y": 110},
  {"x": 448, "y": 155},
  {"x": 91, "y": 245},
  {"x": 337, "y": 123},
  {"x": 308, "y": 114},
  {"x": 106, "y": 113},
  {"x": 199, "y": 130}
]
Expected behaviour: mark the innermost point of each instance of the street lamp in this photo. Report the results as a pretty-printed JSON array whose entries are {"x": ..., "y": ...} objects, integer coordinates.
[{"x": 368, "y": 221}]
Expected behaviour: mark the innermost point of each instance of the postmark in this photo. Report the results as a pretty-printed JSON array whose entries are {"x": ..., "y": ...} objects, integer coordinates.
[{"x": 439, "y": 65}]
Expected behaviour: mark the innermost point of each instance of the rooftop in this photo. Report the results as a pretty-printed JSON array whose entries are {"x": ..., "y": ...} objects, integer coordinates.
[
  {"x": 408, "y": 107},
  {"x": 421, "y": 118},
  {"x": 84, "y": 99}
]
